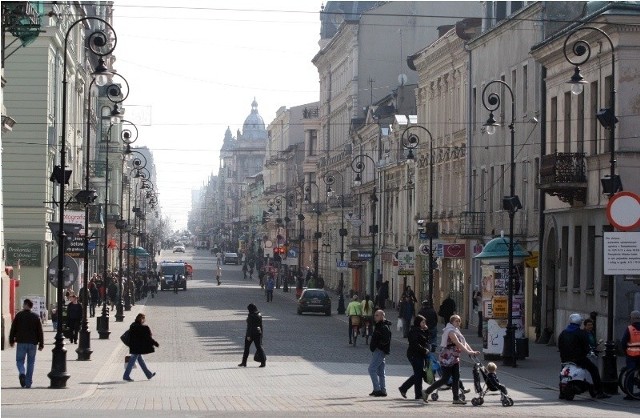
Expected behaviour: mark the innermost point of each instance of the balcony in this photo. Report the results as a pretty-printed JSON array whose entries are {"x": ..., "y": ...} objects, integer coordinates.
[
  {"x": 471, "y": 224},
  {"x": 563, "y": 174}
]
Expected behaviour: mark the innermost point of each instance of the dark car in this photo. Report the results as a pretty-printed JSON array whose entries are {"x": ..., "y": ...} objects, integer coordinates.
[{"x": 314, "y": 300}]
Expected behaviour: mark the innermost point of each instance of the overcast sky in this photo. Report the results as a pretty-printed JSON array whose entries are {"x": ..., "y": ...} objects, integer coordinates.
[{"x": 194, "y": 67}]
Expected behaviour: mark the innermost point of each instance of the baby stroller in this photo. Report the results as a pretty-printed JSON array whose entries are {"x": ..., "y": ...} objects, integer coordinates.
[
  {"x": 432, "y": 370},
  {"x": 491, "y": 384}
]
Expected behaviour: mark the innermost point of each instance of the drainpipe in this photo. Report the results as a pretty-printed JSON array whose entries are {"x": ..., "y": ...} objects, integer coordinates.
[{"x": 541, "y": 218}]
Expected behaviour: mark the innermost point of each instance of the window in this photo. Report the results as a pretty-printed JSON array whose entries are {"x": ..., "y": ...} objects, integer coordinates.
[
  {"x": 536, "y": 194},
  {"x": 591, "y": 256},
  {"x": 483, "y": 189},
  {"x": 501, "y": 188},
  {"x": 608, "y": 85},
  {"x": 564, "y": 257},
  {"x": 593, "y": 122},
  {"x": 313, "y": 142},
  {"x": 525, "y": 184},
  {"x": 577, "y": 256},
  {"x": 492, "y": 180},
  {"x": 514, "y": 86},
  {"x": 474, "y": 104},
  {"x": 501, "y": 10},
  {"x": 567, "y": 122},
  {"x": 525, "y": 88},
  {"x": 553, "y": 125},
  {"x": 580, "y": 122}
]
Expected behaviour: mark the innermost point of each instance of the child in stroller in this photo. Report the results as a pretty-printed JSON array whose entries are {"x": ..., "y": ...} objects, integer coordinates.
[
  {"x": 431, "y": 370},
  {"x": 492, "y": 384}
]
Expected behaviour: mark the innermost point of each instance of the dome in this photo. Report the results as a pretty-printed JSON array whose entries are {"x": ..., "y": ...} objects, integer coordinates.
[
  {"x": 253, "y": 127},
  {"x": 497, "y": 250}
]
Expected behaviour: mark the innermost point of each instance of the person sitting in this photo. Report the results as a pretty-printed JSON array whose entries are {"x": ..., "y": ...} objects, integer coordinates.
[{"x": 573, "y": 344}]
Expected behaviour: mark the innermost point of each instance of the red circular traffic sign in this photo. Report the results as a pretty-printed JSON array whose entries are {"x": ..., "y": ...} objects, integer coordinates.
[{"x": 623, "y": 211}]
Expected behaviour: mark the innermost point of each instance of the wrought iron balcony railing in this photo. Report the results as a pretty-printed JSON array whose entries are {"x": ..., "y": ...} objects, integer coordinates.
[
  {"x": 471, "y": 224},
  {"x": 563, "y": 174}
]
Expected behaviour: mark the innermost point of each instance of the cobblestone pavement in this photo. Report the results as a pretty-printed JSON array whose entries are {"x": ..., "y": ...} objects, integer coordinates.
[{"x": 311, "y": 369}]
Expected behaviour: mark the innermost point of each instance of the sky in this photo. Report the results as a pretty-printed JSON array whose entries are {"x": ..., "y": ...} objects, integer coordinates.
[{"x": 193, "y": 69}]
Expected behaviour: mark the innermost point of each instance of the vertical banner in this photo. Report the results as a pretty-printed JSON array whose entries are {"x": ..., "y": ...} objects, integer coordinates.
[{"x": 495, "y": 306}]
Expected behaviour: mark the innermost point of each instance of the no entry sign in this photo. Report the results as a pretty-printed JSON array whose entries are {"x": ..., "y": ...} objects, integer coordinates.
[{"x": 623, "y": 211}]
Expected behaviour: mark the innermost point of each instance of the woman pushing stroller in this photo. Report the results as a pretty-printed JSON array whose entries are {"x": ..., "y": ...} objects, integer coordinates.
[{"x": 452, "y": 344}]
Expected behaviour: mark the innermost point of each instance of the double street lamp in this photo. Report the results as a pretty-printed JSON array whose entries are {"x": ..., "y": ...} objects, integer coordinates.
[
  {"x": 611, "y": 184},
  {"x": 330, "y": 179},
  {"x": 410, "y": 141},
  {"x": 358, "y": 166},
  {"x": 100, "y": 44},
  {"x": 510, "y": 203}
]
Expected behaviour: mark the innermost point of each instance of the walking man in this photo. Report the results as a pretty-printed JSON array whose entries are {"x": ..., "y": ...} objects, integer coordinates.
[
  {"x": 269, "y": 288},
  {"x": 380, "y": 346},
  {"x": 26, "y": 330}
]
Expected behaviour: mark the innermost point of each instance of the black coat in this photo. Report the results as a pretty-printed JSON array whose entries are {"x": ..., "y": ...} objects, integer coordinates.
[
  {"x": 74, "y": 312},
  {"x": 381, "y": 337},
  {"x": 141, "y": 341},
  {"x": 254, "y": 325},
  {"x": 418, "y": 342},
  {"x": 430, "y": 316}
]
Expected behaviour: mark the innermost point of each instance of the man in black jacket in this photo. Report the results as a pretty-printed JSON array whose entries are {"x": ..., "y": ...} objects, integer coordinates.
[
  {"x": 26, "y": 330},
  {"x": 430, "y": 315},
  {"x": 380, "y": 346},
  {"x": 573, "y": 344}
]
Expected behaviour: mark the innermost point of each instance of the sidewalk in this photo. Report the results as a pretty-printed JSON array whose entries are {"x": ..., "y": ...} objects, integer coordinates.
[{"x": 85, "y": 376}]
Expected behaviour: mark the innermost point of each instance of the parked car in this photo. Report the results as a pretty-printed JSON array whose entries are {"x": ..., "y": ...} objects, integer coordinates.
[
  {"x": 230, "y": 258},
  {"x": 314, "y": 300},
  {"x": 178, "y": 248}
]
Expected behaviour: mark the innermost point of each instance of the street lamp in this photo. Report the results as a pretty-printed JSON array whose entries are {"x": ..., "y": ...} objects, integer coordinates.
[
  {"x": 330, "y": 179},
  {"x": 129, "y": 135},
  {"x": 611, "y": 184},
  {"x": 511, "y": 204},
  {"x": 100, "y": 44},
  {"x": 358, "y": 166},
  {"x": 318, "y": 234},
  {"x": 410, "y": 141}
]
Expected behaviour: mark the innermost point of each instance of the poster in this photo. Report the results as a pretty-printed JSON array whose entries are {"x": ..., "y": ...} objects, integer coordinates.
[
  {"x": 39, "y": 306},
  {"x": 495, "y": 306}
]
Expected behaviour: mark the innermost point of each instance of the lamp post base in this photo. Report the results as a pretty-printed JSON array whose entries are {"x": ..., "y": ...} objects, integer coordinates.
[
  {"x": 84, "y": 347},
  {"x": 341, "y": 308},
  {"x": 102, "y": 323},
  {"x": 119, "y": 314},
  {"x": 58, "y": 374},
  {"x": 610, "y": 369},
  {"x": 509, "y": 348}
]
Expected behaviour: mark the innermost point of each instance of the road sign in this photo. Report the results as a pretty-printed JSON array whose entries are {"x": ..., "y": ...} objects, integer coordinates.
[
  {"x": 623, "y": 211},
  {"x": 342, "y": 265},
  {"x": 71, "y": 271}
]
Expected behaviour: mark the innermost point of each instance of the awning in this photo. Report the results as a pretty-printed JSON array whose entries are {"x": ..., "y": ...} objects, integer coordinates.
[{"x": 138, "y": 252}]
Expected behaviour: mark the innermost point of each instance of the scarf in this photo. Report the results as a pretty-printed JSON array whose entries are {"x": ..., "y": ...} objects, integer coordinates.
[{"x": 445, "y": 335}]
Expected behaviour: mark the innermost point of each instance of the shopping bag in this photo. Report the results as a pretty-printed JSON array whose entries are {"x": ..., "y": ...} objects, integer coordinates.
[{"x": 399, "y": 326}]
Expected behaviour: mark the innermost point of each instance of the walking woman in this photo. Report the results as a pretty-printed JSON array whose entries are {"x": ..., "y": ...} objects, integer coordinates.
[
  {"x": 253, "y": 336},
  {"x": 416, "y": 353},
  {"x": 140, "y": 343},
  {"x": 452, "y": 343}
]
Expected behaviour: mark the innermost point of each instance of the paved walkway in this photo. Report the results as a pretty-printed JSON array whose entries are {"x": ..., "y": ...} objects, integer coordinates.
[{"x": 282, "y": 389}]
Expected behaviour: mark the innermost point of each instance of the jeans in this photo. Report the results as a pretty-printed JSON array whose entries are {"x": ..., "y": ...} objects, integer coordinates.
[
  {"x": 376, "y": 370},
  {"x": 29, "y": 351},
  {"x": 132, "y": 362},
  {"x": 417, "y": 363},
  {"x": 269, "y": 295}
]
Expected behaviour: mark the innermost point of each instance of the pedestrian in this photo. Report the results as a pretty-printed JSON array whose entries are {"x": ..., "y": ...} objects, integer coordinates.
[
  {"x": 367, "y": 317},
  {"x": 175, "y": 283},
  {"x": 95, "y": 297},
  {"x": 408, "y": 292},
  {"x": 254, "y": 335},
  {"x": 406, "y": 314},
  {"x": 54, "y": 318},
  {"x": 218, "y": 274},
  {"x": 630, "y": 343},
  {"x": 26, "y": 331},
  {"x": 383, "y": 294},
  {"x": 140, "y": 342},
  {"x": 354, "y": 313},
  {"x": 452, "y": 343},
  {"x": 477, "y": 306},
  {"x": 74, "y": 317},
  {"x": 447, "y": 309},
  {"x": 416, "y": 353},
  {"x": 587, "y": 325},
  {"x": 431, "y": 317},
  {"x": 112, "y": 292},
  {"x": 269, "y": 288},
  {"x": 380, "y": 346},
  {"x": 245, "y": 269}
]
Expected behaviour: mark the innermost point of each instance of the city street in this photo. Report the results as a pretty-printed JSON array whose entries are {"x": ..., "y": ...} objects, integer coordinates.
[{"x": 310, "y": 367}]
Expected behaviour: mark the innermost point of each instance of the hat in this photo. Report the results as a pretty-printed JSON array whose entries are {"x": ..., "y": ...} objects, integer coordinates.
[{"x": 635, "y": 315}]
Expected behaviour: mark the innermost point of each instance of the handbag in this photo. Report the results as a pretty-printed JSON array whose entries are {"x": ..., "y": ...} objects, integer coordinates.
[
  {"x": 259, "y": 356},
  {"x": 126, "y": 338},
  {"x": 399, "y": 325}
]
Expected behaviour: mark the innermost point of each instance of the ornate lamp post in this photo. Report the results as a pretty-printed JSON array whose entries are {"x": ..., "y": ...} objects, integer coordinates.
[
  {"x": 410, "y": 141},
  {"x": 611, "y": 184},
  {"x": 318, "y": 234},
  {"x": 330, "y": 179},
  {"x": 511, "y": 204},
  {"x": 358, "y": 166},
  {"x": 100, "y": 44}
]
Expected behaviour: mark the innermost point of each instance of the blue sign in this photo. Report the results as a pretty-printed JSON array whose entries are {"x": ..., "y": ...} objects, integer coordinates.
[{"x": 342, "y": 263}]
